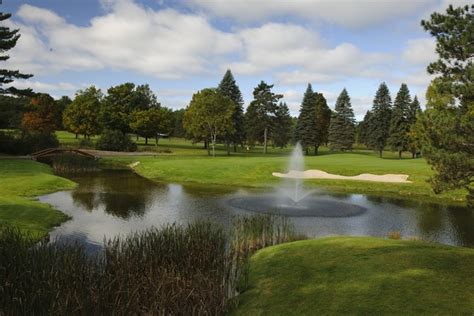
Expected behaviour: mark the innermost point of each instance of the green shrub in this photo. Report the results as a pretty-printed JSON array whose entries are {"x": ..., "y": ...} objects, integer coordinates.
[
  {"x": 86, "y": 143},
  {"x": 26, "y": 142},
  {"x": 115, "y": 140}
]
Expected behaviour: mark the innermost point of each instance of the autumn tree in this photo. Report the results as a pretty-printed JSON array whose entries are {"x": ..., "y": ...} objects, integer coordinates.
[
  {"x": 209, "y": 115},
  {"x": 40, "y": 117}
]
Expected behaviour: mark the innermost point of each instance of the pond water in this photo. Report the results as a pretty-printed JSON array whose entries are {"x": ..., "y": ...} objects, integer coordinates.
[{"x": 112, "y": 203}]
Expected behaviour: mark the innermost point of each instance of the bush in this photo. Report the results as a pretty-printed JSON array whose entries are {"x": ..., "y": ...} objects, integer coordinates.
[
  {"x": 115, "y": 140},
  {"x": 26, "y": 142},
  {"x": 86, "y": 143}
]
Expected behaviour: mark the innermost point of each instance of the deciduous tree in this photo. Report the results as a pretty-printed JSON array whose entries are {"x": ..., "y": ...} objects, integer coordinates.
[{"x": 82, "y": 116}]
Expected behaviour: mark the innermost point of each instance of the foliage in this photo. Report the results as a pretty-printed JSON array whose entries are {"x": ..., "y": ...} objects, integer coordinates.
[
  {"x": 82, "y": 115},
  {"x": 26, "y": 142},
  {"x": 446, "y": 129},
  {"x": 228, "y": 87},
  {"x": 152, "y": 122},
  {"x": 176, "y": 270},
  {"x": 178, "y": 130},
  {"x": 209, "y": 115},
  {"x": 260, "y": 113},
  {"x": 413, "y": 141},
  {"x": 11, "y": 110},
  {"x": 281, "y": 134},
  {"x": 41, "y": 115},
  {"x": 342, "y": 127},
  {"x": 61, "y": 105},
  {"x": 378, "y": 123},
  {"x": 399, "y": 124},
  {"x": 8, "y": 40},
  {"x": 306, "y": 130},
  {"x": 359, "y": 276},
  {"x": 115, "y": 140},
  {"x": 362, "y": 129},
  {"x": 121, "y": 101}
]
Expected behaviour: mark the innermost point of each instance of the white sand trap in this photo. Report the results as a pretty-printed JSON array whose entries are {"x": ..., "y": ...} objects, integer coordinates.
[{"x": 318, "y": 174}]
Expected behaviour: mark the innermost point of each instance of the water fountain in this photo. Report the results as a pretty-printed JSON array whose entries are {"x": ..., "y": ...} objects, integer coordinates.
[{"x": 292, "y": 199}]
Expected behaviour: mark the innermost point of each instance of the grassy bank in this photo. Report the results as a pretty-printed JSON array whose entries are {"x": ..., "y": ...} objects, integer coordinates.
[
  {"x": 20, "y": 182},
  {"x": 252, "y": 171},
  {"x": 366, "y": 276}
]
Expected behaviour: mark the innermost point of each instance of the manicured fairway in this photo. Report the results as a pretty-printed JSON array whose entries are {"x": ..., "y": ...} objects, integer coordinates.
[
  {"x": 20, "y": 182},
  {"x": 251, "y": 171},
  {"x": 362, "y": 276}
]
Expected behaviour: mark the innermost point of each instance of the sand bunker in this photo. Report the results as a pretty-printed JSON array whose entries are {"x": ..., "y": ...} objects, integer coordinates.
[{"x": 318, "y": 174}]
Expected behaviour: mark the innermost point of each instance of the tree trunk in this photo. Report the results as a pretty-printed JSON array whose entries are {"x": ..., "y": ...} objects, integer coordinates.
[
  {"x": 265, "y": 141},
  {"x": 316, "y": 150},
  {"x": 137, "y": 137},
  {"x": 228, "y": 149},
  {"x": 157, "y": 138},
  {"x": 208, "y": 148},
  {"x": 380, "y": 153},
  {"x": 413, "y": 155},
  {"x": 213, "y": 145},
  {"x": 146, "y": 140},
  {"x": 77, "y": 135},
  {"x": 399, "y": 154},
  {"x": 206, "y": 145},
  {"x": 235, "y": 147}
]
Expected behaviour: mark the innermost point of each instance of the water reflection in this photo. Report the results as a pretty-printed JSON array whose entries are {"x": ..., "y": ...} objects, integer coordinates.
[{"x": 112, "y": 203}]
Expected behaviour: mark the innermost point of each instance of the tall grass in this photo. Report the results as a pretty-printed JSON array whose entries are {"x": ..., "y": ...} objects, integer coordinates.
[
  {"x": 70, "y": 163},
  {"x": 184, "y": 270}
]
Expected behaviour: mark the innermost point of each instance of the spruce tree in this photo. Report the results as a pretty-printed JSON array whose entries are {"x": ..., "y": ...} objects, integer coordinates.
[
  {"x": 281, "y": 134},
  {"x": 413, "y": 141},
  {"x": 399, "y": 124},
  {"x": 379, "y": 124},
  {"x": 8, "y": 40},
  {"x": 307, "y": 120},
  {"x": 323, "y": 118},
  {"x": 229, "y": 88},
  {"x": 342, "y": 125},
  {"x": 364, "y": 129},
  {"x": 261, "y": 113}
]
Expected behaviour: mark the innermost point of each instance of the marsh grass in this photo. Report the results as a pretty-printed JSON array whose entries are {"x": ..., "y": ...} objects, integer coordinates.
[
  {"x": 175, "y": 270},
  {"x": 68, "y": 163}
]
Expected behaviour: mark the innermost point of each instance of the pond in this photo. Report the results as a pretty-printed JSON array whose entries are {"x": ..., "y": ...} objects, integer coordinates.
[{"x": 112, "y": 203}]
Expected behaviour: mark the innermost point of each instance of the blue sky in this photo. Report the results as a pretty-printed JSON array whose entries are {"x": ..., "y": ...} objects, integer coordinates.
[{"x": 180, "y": 47}]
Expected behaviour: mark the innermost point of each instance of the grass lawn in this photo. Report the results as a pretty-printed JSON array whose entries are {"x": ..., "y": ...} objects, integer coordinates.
[
  {"x": 20, "y": 182},
  {"x": 189, "y": 163},
  {"x": 364, "y": 276}
]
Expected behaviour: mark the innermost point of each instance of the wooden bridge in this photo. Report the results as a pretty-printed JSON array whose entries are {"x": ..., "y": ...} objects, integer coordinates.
[{"x": 52, "y": 152}]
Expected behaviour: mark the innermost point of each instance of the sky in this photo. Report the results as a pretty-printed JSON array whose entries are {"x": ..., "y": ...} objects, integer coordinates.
[{"x": 180, "y": 47}]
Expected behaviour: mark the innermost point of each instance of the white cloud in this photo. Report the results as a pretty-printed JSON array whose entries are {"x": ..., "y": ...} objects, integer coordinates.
[
  {"x": 64, "y": 88},
  {"x": 420, "y": 51},
  {"x": 165, "y": 44},
  {"x": 347, "y": 13}
]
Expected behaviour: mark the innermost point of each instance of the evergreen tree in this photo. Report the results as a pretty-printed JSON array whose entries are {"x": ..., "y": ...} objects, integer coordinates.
[
  {"x": 228, "y": 87},
  {"x": 323, "y": 118},
  {"x": 399, "y": 124},
  {"x": 307, "y": 120},
  {"x": 379, "y": 125},
  {"x": 413, "y": 140},
  {"x": 447, "y": 128},
  {"x": 8, "y": 40},
  {"x": 363, "y": 129},
  {"x": 261, "y": 113},
  {"x": 342, "y": 125},
  {"x": 281, "y": 134}
]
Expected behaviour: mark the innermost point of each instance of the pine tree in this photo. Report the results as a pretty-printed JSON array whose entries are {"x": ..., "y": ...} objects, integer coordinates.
[
  {"x": 281, "y": 134},
  {"x": 323, "y": 118},
  {"x": 307, "y": 120},
  {"x": 261, "y": 112},
  {"x": 399, "y": 124},
  {"x": 379, "y": 124},
  {"x": 342, "y": 125},
  {"x": 364, "y": 129},
  {"x": 413, "y": 141},
  {"x": 228, "y": 87},
  {"x": 8, "y": 40}
]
